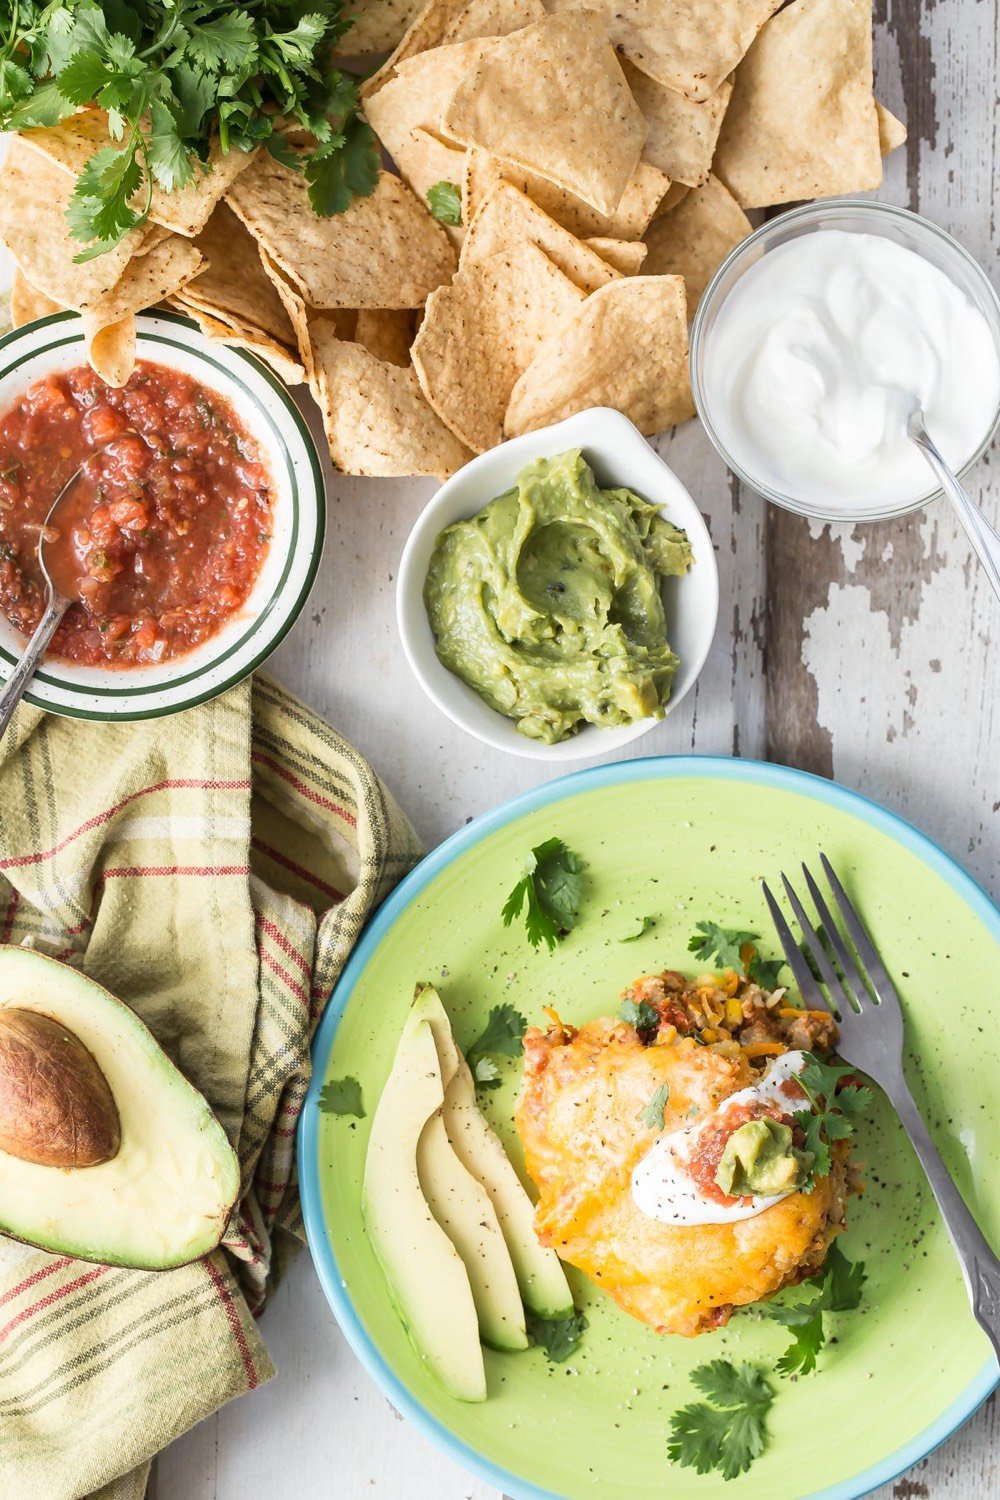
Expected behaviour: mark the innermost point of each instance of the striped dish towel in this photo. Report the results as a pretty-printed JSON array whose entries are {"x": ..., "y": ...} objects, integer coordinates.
[{"x": 213, "y": 869}]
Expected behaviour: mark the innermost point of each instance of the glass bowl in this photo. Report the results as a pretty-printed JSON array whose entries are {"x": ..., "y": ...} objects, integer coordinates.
[{"x": 857, "y": 216}]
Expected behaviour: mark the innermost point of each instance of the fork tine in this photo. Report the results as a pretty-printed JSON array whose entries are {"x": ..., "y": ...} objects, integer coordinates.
[
  {"x": 818, "y": 952},
  {"x": 806, "y": 982},
  {"x": 853, "y": 977},
  {"x": 878, "y": 974}
]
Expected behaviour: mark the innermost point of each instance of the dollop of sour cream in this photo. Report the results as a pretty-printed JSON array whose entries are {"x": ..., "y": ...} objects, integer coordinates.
[
  {"x": 819, "y": 353},
  {"x": 662, "y": 1186}
]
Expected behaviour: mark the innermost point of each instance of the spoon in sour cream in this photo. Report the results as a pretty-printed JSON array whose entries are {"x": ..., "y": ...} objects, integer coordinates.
[{"x": 984, "y": 539}]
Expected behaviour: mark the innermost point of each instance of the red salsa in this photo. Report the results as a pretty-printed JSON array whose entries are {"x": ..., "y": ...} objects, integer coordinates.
[
  {"x": 161, "y": 538},
  {"x": 707, "y": 1154}
]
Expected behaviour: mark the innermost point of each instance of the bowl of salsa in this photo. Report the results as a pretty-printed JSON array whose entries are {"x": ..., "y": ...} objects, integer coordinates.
[{"x": 189, "y": 540}]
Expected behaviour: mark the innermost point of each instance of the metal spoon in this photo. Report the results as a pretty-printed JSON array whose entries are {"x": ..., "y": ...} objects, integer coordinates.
[
  {"x": 981, "y": 534},
  {"x": 56, "y": 605}
]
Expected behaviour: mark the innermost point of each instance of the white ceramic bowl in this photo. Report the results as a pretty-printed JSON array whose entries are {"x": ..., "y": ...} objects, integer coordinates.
[
  {"x": 268, "y": 412},
  {"x": 619, "y": 455}
]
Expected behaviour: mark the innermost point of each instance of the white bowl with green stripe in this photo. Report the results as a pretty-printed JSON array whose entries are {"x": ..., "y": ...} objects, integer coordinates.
[{"x": 266, "y": 410}]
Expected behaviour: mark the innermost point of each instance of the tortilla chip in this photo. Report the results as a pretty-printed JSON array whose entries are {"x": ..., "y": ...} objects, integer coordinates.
[
  {"x": 280, "y": 358},
  {"x": 553, "y": 99},
  {"x": 482, "y": 18},
  {"x": 376, "y": 26},
  {"x": 382, "y": 251},
  {"x": 682, "y": 131},
  {"x": 891, "y": 132},
  {"x": 415, "y": 98},
  {"x": 626, "y": 347},
  {"x": 676, "y": 193},
  {"x": 642, "y": 197},
  {"x": 148, "y": 279},
  {"x": 234, "y": 288},
  {"x": 802, "y": 120},
  {"x": 388, "y": 334},
  {"x": 694, "y": 239},
  {"x": 34, "y": 193},
  {"x": 298, "y": 313},
  {"x": 184, "y": 211},
  {"x": 688, "y": 45},
  {"x": 110, "y": 348},
  {"x": 624, "y": 256},
  {"x": 423, "y": 160},
  {"x": 27, "y": 303},
  {"x": 480, "y": 333},
  {"x": 506, "y": 218},
  {"x": 425, "y": 32},
  {"x": 376, "y": 417}
]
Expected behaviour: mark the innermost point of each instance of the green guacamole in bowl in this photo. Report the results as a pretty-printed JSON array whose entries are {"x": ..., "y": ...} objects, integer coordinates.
[{"x": 549, "y": 604}]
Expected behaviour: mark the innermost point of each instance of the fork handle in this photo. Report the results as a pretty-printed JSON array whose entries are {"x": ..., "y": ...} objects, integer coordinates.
[
  {"x": 18, "y": 681},
  {"x": 980, "y": 1267}
]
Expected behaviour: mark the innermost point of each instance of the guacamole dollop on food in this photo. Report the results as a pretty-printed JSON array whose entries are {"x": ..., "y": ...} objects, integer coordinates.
[{"x": 548, "y": 602}]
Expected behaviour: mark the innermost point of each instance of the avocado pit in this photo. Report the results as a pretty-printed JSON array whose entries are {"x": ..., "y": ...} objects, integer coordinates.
[{"x": 56, "y": 1108}]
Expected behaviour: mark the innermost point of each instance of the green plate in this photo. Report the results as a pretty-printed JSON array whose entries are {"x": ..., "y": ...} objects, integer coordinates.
[{"x": 683, "y": 839}]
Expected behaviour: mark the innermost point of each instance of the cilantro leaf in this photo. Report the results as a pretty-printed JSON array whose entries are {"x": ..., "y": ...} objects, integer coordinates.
[
  {"x": 501, "y": 1037},
  {"x": 729, "y": 1434},
  {"x": 168, "y": 158},
  {"x": 445, "y": 200},
  {"x": 644, "y": 926},
  {"x": 557, "y": 1336},
  {"x": 732, "y": 949},
  {"x": 830, "y": 1115},
  {"x": 723, "y": 944},
  {"x": 549, "y": 894},
  {"x": 345, "y": 167},
  {"x": 641, "y": 1015},
  {"x": 652, "y": 1115},
  {"x": 840, "y": 1285},
  {"x": 342, "y": 1096},
  {"x": 228, "y": 41}
]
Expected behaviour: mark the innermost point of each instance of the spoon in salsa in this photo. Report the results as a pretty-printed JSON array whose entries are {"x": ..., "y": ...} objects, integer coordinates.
[{"x": 56, "y": 605}]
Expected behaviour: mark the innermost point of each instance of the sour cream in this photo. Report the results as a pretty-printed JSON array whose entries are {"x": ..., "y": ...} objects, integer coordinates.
[
  {"x": 662, "y": 1186},
  {"x": 819, "y": 352}
]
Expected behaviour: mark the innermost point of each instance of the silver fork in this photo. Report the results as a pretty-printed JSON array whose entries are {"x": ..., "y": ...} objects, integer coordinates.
[{"x": 866, "y": 1006}]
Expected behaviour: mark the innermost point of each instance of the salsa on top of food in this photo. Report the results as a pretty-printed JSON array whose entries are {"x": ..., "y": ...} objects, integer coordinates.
[{"x": 160, "y": 539}]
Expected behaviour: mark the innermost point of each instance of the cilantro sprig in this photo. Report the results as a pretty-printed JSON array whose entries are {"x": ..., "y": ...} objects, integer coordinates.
[
  {"x": 728, "y": 1434},
  {"x": 840, "y": 1285},
  {"x": 445, "y": 202},
  {"x": 730, "y": 948},
  {"x": 173, "y": 78},
  {"x": 557, "y": 1336},
  {"x": 549, "y": 893},
  {"x": 501, "y": 1037},
  {"x": 652, "y": 1115},
  {"x": 342, "y": 1096},
  {"x": 831, "y": 1115}
]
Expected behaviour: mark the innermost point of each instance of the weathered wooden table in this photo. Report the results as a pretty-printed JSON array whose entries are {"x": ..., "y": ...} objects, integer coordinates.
[{"x": 862, "y": 653}]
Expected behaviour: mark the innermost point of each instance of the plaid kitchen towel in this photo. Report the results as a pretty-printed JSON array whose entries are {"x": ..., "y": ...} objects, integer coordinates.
[{"x": 214, "y": 870}]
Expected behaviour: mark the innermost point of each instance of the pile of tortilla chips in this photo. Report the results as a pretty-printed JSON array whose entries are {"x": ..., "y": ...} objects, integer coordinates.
[{"x": 603, "y": 152}]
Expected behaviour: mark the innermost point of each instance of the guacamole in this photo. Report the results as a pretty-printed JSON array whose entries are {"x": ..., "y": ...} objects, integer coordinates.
[
  {"x": 548, "y": 602},
  {"x": 760, "y": 1159}
]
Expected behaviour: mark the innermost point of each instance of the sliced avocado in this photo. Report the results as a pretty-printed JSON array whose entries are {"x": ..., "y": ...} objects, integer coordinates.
[
  {"x": 462, "y": 1207},
  {"x": 540, "y": 1276},
  {"x": 425, "y": 1273},
  {"x": 107, "y": 1153}
]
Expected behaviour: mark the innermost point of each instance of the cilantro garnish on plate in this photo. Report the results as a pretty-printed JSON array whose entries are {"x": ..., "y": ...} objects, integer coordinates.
[
  {"x": 729, "y": 948},
  {"x": 729, "y": 1433},
  {"x": 645, "y": 924},
  {"x": 840, "y": 1284},
  {"x": 831, "y": 1114},
  {"x": 501, "y": 1037},
  {"x": 640, "y": 1014},
  {"x": 445, "y": 202},
  {"x": 652, "y": 1115},
  {"x": 342, "y": 1096},
  {"x": 557, "y": 1336},
  {"x": 549, "y": 893},
  {"x": 173, "y": 78}
]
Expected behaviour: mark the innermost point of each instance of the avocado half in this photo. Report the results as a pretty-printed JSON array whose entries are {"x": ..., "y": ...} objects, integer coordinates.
[{"x": 107, "y": 1153}]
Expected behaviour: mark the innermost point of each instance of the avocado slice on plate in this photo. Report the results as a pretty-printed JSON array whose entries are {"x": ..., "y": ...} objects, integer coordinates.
[
  {"x": 462, "y": 1207},
  {"x": 107, "y": 1153},
  {"x": 540, "y": 1276},
  {"x": 428, "y": 1280}
]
